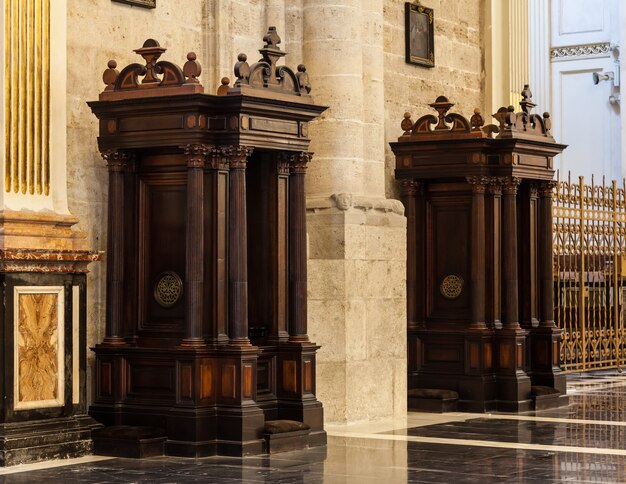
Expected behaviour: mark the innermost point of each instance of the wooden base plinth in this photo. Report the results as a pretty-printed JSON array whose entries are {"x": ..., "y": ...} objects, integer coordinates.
[{"x": 544, "y": 358}]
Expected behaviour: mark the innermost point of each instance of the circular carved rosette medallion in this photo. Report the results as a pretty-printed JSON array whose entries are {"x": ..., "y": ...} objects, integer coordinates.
[
  {"x": 452, "y": 286},
  {"x": 168, "y": 289}
]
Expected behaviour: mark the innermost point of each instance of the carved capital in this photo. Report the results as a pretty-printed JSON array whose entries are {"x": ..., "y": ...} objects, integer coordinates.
[
  {"x": 533, "y": 190},
  {"x": 236, "y": 156},
  {"x": 298, "y": 161},
  {"x": 478, "y": 183},
  {"x": 546, "y": 189},
  {"x": 284, "y": 163},
  {"x": 196, "y": 154},
  {"x": 495, "y": 186},
  {"x": 510, "y": 185},
  {"x": 216, "y": 159},
  {"x": 117, "y": 160},
  {"x": 410, "y": 187}
]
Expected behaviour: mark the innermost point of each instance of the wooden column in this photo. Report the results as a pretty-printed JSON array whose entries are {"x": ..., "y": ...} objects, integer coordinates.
[
  {"x": 216, "y": 289},
  {"x": 410, "y": 189},
  {"x": 116, "y": 162},
  {"x": 494, "y": 251},
  {"x": 280, "y": 253},
  {"x": 297, "y": 249},
  {"x": 194, "y": 245},
  {"x": 237, "y": 247},
  {"x": 477, "y": 244},
  {"x": 510, "y": 318},
  {"x": 546, "y": 255}
]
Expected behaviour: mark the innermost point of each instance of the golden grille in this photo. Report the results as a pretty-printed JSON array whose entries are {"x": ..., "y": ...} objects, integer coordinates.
[{"x": 589, "y": 249}]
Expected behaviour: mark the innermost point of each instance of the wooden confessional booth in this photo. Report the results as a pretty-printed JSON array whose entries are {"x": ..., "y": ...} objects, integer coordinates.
[
  {"x": 206, "y": 345},
  {"x": 478, "y": 199}
]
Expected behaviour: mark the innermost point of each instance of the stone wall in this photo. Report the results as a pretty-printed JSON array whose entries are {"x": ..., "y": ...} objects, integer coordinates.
[
  {"x": 99, "y": 30},
  {"x": 458, "y": 73}
]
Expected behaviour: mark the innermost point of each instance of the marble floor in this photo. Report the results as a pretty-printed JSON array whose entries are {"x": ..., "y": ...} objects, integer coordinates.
[{"x": 585, "y": 442}]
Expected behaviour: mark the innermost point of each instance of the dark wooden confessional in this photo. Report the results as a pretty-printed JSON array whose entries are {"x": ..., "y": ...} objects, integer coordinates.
[
  {"x": 206, "y": 316},
  {"x": 479, "y": 267}
]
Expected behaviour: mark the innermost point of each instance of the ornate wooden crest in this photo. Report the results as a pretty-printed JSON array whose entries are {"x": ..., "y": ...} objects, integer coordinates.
[
  {"x": 156, "y": 75},
  {"x": 510, "y": 124},
  {"x": 266, "y": 74}
]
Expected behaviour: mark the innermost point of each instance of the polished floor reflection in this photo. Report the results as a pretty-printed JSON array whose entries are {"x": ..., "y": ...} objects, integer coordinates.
[{"x": 585, "y": 442}]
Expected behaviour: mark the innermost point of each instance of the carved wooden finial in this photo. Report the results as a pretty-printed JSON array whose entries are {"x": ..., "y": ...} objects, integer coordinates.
[
  {"x": 192, "y": 68},
  {"x": 110, "y": 75},
  {"x": 526, "y": 102},
  {"x": 267, "y": 74},
  {"x": 442, "y": 105},
  {"x": 477, "y": 120},
  {"x": 407, "y": 123},
  {"x": 547, "y": 122},
  {"x": 223, "y": 89},
  {"x": 271, "y": 39},
  {"x": 303, "y": 78},
  {"x": 242, "y": 69},
  {"x": 150, "y": 51},
  {"x": 271, "y": 53}
]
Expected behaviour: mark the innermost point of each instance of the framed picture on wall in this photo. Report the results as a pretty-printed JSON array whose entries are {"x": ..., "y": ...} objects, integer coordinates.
[
  {"x": 139, "y": 3},
  {"x": 420, "y": 34}
]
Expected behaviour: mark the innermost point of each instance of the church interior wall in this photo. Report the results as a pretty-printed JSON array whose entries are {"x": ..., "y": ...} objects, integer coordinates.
[{"x": 354, "y": 52}]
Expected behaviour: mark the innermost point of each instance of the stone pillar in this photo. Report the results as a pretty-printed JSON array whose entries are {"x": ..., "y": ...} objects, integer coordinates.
[
  {"x": 357, "y": 237},
  {"x": 297, "y": 250},
  {"x": 194, "y": 240},
  {"x": 116, "y": 162},
  {"x": 238, "y": 249}
]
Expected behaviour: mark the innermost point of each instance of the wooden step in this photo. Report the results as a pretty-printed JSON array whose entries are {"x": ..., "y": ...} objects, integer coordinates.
[
  {"x": 285, "y": 435},
  {"x": 129, "y": 441},
  {"x": 433, "y": 400}
]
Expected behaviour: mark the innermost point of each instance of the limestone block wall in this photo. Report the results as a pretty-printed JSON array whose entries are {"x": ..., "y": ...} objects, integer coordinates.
[
  {"x": 99, "y": 30},
  {"x": 458, "y": 74}
]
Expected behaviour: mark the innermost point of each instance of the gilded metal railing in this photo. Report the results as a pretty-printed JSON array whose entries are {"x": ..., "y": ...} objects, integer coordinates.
[{"x": 590, "y": 272}]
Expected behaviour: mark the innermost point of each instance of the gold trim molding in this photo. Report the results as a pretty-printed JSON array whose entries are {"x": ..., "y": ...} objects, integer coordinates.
[{"x": 27, "y": 96}]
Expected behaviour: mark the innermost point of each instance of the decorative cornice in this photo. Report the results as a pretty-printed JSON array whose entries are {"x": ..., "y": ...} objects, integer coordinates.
[
  {"x": 586, "y": 50},
  {"x": 49, "y": 261}
]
